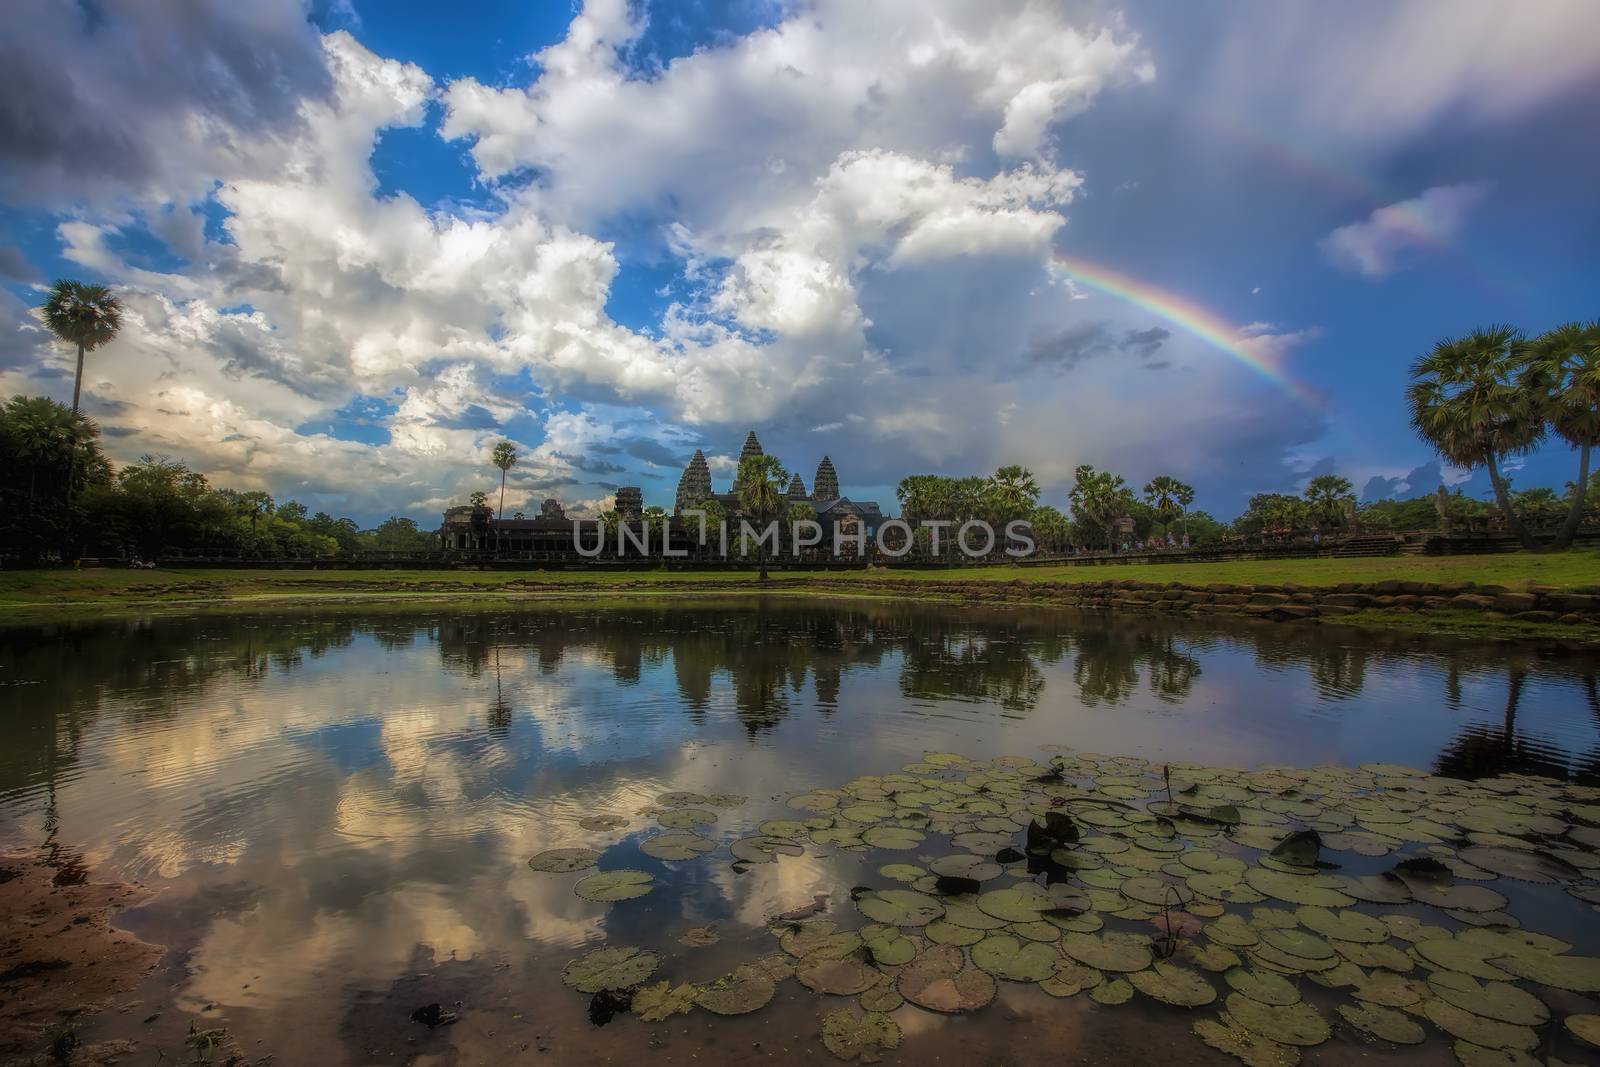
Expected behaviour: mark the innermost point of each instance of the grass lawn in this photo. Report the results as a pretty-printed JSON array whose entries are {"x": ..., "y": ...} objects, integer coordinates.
[{"x": 46, "y": 589}]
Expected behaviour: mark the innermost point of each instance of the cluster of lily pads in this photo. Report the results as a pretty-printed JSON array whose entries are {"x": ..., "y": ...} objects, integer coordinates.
[{"x": 1282, "y": 905}]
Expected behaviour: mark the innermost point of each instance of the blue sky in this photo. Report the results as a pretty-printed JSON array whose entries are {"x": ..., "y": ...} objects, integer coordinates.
[{"x": 361, "y": 243}]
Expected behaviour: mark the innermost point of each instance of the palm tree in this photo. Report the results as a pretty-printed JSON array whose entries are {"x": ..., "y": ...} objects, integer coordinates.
[
  {"x": 1013, "y": 491},
  {"x": 1327, "y": 495},
  {"x": 479, "y": 499},
  {"x": 1466, "y": 403},
  {"x": 1100, "y": 498},
  {"x": 84, "y": 315},
  {"x": 763, "y": 484},
  {"x": 1167, "y": 497},
  {"x": 47, "y": 435},
  {"x": 505, "y": 457},
  {"x": 1562, "y": 370}
]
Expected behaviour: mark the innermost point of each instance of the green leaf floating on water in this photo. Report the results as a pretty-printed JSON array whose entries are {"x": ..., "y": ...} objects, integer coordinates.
[
  {"x": 890, "y": 948},
  {"x": 614, "y": 885},
  {"x": 823, "y": 937},
  {"x": 680, "y": 799},
  {"x": 895, "y": 838},
  {"x": 859, "y": 1037},
  {"x": 676, "y": 845},
  {"x": 763, "y": 849},
  {"x": 1253, "y": 1050},
  {"x": 610, "y": 968},
  {"x": 1112, "y": 992},
  {"x": 1585, "y": 1028},
  {"x": 1290, "y": 1024},
  {"x": 660, "y": 1001},
  {"x": 941, "y": 979},
  {"x": 1489, "y": 1033},
  {"x": 1113, "y": 951},
  {"x": 1007, "y": 957},
  {"x": 1383, "y": 1023},
  {"x": 1264, "y": 986},
  {"x": 603, "y": 822},
  {"x": 1172, "y": 984},
  {"x": 564, "y": 860},
  {"x": 747, "y": 989},
  {"x": 1500, "y": 1001},
  {"x": 966, "y": 865},
  {"x": 686, "y": 818},
  {"x": 899, "y": 907},
  {"x": 843, "y": 976}
]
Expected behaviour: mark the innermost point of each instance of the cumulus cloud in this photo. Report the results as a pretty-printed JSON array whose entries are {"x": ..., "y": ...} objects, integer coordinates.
[{"x": 1392, "y": 236}]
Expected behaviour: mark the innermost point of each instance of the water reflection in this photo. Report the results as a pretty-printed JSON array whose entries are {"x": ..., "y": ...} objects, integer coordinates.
[{"x": 342, "y": 799}]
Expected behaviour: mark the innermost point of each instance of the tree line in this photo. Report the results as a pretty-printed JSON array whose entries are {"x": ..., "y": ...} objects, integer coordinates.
[{"x": 61, "y": 497}]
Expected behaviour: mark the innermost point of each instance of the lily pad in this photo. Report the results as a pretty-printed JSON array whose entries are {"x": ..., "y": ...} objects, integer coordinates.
[
  {"x": 763, "y": 849},
  {"x": 1019, "y": 904},
  {"x": 1296, "y": 888},
  {"x": 1264, "y": 986},
  {"x": 902, "y": 872},
  {"x": 1116, "y": 991},
  {"x": 940, "y": 979},
  {"x": 881, "y": 997},
  {"x": 1300, "y": 943},
  {"x": 842, "y": 977},
  {"x": 1006, "y": 957},
  {"x": 610, "y": 886},
  {"x": 894, "y": 838},
  {"x": 1253, "y": 1050},
  {"x": 610, "y": 968},
  {"x": 1490, "y": 1033},
  {"x": 859, "y": 1037},
  {"x": 899, "y": 907},
  {"x": 1470, "y": 1055},
  {"x": 1585, "y": 1028},
  {"x": 890, "y": 948},
  {"x": 1172, "y": 984},
  {"x": 1343, "y": 925},
  {"x": 1069, "y": 979},
  {"x": 966, "y": 865},
  {"x": 747, "y": 989},
  {"x": 1577, "y": 974},
  {"x": 603, "y": 822},
  {"x": 945, "y": 932},
  {"x": 823, "y": 939},
  {"x": 1455, "y": 954},
  {"x": 564, "y": 860},
  {"x": 662, "y": 1000},
  {"x": 1500, "y": 1001},
  {"x": 1111, "y": 951},
  {"x": 679, "y": 799},
  {"x": 1289, "y": 1024},
  {"x": 686, "y": 818},
  {"x": 676, "y": 845},
  {"x": 1383, "y": 1023}
]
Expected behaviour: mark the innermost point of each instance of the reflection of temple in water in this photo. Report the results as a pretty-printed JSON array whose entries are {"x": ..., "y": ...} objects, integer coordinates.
[{"x": 761, "y": 660}]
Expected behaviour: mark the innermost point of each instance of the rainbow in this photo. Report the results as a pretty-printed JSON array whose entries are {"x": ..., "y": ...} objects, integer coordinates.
[{"x": 1188, "y": 316}]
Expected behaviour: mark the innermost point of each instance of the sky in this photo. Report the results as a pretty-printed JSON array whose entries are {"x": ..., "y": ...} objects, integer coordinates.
[{"x": 359, "y": 243}]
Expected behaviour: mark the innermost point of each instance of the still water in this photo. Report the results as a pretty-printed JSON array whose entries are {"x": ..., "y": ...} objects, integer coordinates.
[{"x": 338, "y": 806}]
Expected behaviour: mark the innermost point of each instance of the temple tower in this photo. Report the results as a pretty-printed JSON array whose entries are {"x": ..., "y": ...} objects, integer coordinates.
[
  {"x": 797, "y": 489},
  {"x": 694, "y": 488},
  {"x": 752, "y": 447},
  {"x": 552, "y": 509},
  {"x": 825, "y": 486},
  {"x": 630, "y": 503}
]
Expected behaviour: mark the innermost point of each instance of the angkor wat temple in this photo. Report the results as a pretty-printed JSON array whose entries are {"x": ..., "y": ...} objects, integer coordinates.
[{"x": 832, "y": 508}]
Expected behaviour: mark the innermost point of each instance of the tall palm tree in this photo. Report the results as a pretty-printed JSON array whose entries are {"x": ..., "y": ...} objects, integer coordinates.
[
  {"x": 1327, "y": 495},
  {"x": 84, "y": 315},
  {"x": 1167, "y": 496},
  {"x": 47, "y": 436},
  {"x": 763, "y": 484},
  {"x": 505, "y": 457},
  {"x": 1562, "y": 370},
  {"x": 1466, "y": 402},
  {"x": 1013, "y": 491}
]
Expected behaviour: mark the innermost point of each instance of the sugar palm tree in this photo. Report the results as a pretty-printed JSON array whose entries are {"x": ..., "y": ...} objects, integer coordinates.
[
  {"x": 505, "y": 457},
  {"x": 1167, "y": 496},
  {"x": 1327, "y": 495},
  {"x": 1100, "y": 498},
  {"x": 1466, "y": 402},
  {"x": 762, "y": 486},
  {"x": 1562, "y": 370},
  {"x": 84, "y": 315},
  {"x": 46, "y": 435},
  {"x": 1013, "y": 491}
]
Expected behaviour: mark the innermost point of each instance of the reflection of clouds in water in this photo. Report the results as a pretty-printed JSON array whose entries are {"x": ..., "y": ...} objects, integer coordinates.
[{"x": 767, "y": 889}]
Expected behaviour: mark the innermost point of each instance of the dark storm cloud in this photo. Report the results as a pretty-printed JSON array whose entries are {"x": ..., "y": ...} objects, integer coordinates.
[
  {"x": 471, "y": 417},
  {"x": 15, "y": 266},
  {"x": 590, "y": 465},
  {"x": 653, "y": 452},
  {"x": 1420, "y": 482},
  {"x": 103, "y": 100},
  {"x": 1085, "y": 340}
]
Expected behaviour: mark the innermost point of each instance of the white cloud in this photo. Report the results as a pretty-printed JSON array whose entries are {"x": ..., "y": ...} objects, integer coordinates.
[{"x": 1387, "y": 239}]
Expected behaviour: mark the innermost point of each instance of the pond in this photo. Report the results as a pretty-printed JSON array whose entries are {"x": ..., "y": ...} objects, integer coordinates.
[{"x": 339, "y": 808}]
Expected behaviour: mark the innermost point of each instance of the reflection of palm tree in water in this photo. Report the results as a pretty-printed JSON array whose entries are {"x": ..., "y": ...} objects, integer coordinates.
[
  {"x": 1107, "y": 667},
  {"x": 499, "y": 711},
  {"x": 1481, "y": 751},
  {"x": 1587, "y": 771}
]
